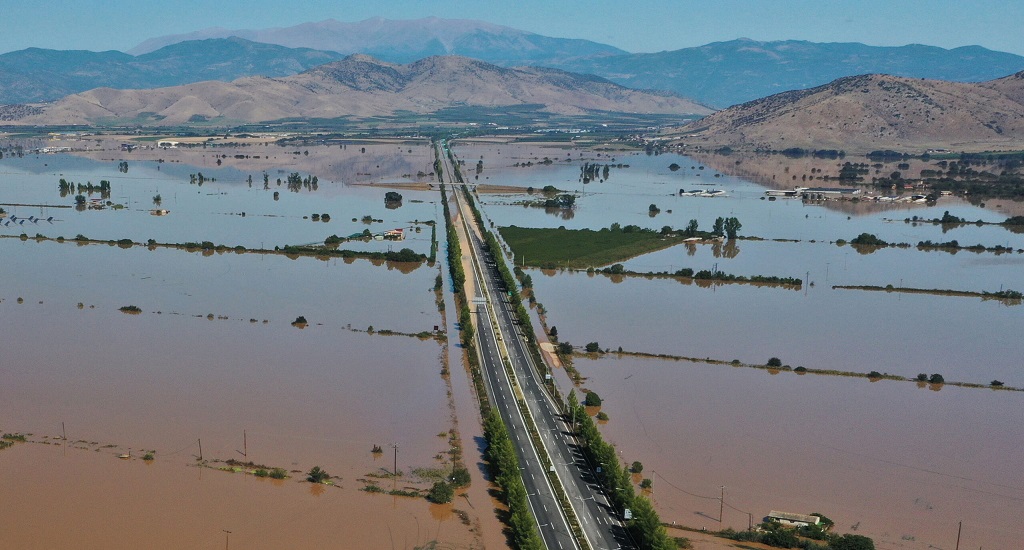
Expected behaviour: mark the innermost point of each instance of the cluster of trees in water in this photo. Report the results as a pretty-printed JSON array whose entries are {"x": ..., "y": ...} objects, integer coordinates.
[
  {"x": 868, "y": 242},
  {"x": 722, "y": 227},
  {"x": 996, "y": 175},
  {"x": 590, "y": 172},
  {"x": 66, "y": 188},
  {"x": 707, "y": 275},
  {"x": 810, "y": 537},
  {"x": 296, "y": 182}
]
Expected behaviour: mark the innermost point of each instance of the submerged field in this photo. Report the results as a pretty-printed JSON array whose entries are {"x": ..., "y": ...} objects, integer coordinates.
[
  {"x": 212, "y": 351},
  {"x": 193, "y": 356},
  {"x": 873, "y": 453}
]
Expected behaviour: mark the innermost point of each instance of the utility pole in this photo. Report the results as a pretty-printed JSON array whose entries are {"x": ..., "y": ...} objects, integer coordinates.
[
  {"x": 958, "y": 529},
  {"x": 65, "y": 432},
  {"x": 721, "y": 504},
  {"x": 200, "y": 449},
  {"x": 396, "y": 458},
  {"x": 245, "y": 445},
  {"x": 227, "y": 538}
]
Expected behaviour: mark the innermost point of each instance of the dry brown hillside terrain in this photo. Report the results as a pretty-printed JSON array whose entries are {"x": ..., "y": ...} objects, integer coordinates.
[
  {"x": 872, "y": 112},
  {"x": 360, "y": 86}
]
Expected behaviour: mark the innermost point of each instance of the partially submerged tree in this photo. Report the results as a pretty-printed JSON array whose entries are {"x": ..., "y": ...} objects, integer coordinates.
[{"x": 317, "y": 475}]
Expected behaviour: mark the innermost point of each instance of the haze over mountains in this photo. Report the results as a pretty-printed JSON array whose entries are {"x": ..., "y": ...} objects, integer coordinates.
[
  {"x": 872, "y": 112},
  {"x": 727, "y": 73},
  {"x": 404, "y": 41},
  {"x": 358, "y": 87},
  {"x": 36, "y": 75},
  {"x": 718, "y": 74}
]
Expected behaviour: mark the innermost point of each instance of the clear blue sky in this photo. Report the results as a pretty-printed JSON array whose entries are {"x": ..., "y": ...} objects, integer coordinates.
[{"x": 636, "y": 26}]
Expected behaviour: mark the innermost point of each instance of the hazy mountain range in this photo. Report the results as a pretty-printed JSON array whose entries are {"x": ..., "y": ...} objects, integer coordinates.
[
  {"x": 872, "y": 112},
  {"x": 36, "y": 75},
  {"x": 718, "y": 74},
  {"x": 404, "y": 41},
  {"x": 726, "y": 73},
  {"x": 356, "y": 87}
]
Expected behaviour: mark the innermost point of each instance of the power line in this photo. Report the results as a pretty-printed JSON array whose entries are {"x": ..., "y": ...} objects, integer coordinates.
[{"x": 680, "y": 489}]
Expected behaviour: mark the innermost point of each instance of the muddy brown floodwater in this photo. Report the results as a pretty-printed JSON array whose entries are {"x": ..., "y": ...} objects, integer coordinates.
[
  {"x": 147, "y": 382},
  {"x": 88, "y": 499},
  {"x": 898, "y": 464},
  {"x": 212, "y": 355}
]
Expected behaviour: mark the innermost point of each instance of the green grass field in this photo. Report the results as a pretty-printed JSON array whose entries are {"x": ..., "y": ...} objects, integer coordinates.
[{"x": 580, "y": 248}]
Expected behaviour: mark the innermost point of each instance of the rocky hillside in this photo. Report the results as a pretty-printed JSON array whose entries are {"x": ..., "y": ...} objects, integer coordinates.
[
  {"x": 871, "y": 112},
  {"x": 357, "y": 87}
]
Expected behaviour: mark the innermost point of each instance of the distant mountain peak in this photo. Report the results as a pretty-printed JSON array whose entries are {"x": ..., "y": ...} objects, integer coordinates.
[{"x": 405, "y": 40}]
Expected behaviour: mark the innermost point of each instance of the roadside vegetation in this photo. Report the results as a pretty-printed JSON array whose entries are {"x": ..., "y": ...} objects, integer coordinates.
[{"x": 645, "y": 527}]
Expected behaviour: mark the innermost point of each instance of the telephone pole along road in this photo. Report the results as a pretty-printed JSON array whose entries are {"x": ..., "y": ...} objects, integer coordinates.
[{"x": 501, "y": 342}]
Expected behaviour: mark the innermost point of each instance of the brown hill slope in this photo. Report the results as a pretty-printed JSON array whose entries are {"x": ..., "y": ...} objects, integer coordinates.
[
  {"x": 870, "y": 112},
  {"x": 361, "y": 86}
]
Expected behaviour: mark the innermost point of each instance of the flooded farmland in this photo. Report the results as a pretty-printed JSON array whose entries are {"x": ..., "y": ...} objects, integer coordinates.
[
  {"x": 901, "y": 465},
  {"x": 210, "y": 367},
  {"x": 900, "y": 461},
  {"x": 212, "y": 353}
]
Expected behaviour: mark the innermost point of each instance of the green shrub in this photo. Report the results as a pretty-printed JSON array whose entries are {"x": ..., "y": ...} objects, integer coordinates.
[
  {"x": 441, "y": 493},
  {"x": 260, "y": 472},
  {"x": 460, "y": 477},
  {"x": 592, "y": 400},
  {"x": 317, "y": 475},
  {"x": 278, "y": 473}
]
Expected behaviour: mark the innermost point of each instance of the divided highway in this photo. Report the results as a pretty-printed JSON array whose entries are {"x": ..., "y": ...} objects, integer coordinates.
[{"x": 500, "y": 339}]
